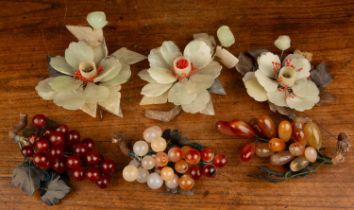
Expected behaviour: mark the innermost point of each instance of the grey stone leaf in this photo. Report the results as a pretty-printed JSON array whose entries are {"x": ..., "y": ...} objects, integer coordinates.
[
  {"x": 27, "y": 177},
  {"x": 321, "y": 76},
  {"x": 164, "y": 116},
  {"x": 256, "y": 53},
  {"x": 326, "y": 98},
  {"x": 282, "y": 110},
  {"x": 245, "y": 63},
  {"x": 56, "y": 190},
  {"x": 217, "y": 88},
  {"x": 51, "y": 71}
]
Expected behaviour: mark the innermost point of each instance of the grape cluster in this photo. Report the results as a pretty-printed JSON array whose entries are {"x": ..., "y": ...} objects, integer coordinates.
[
  {"x": 156, "y": 161},
  {"x": 296, "y": 142},
  {"x": 60, "y": 149}
]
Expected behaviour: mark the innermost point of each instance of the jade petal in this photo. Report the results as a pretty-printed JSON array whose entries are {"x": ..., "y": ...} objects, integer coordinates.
[
  {"x": 44, "y": 90},
  {"x": 225, "y": 36},
  {"x": 198, "y": 104},
  {"x": 97, "y": 19},
  {"x": 112, "y": 103},
  {"x": 94, "y": 93},
  {"x": 71, "y": 100},
  {"x": 62, "y": 83}
]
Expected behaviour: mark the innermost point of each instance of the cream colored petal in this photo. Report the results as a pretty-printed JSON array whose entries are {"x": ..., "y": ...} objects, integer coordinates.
[
  {"x": 199, "y": 53},
  {"x": 120, "y": 78},
  {"x": 111, "y": 68},
  {"x": 268, "y": 63},
  {"x": 78, "y": 52},
  {"x": 169, "y": 51},
  {"x": 198, "y": 104},
  {"x": 154, "y": 100},
  {"x": 305, "y": 88},
  {"x": 95, "y": 93},
  {"x": 156, "y": 60},
  {"x": 213, "y": 69},
  {"x": 128, "y": 56},
  {"x": 44, "y": 90},
  {"x": 71, "y": 100},
  {"x": 144, "y": 75},
  {"x": 254, "y": 89},
  {"x": 183, "y": 92},
  {"x": 202, "y": 81},
  {"x": 301, "y": 103},
  {"x": 155, "y": 89},
  {"x": 84, "y": 33},
  {"x": 59, "y": 64},
  {"x": 300, "y": 63},
  {"x": 90, "y": 109},
  {"x": 268, "y": 84},
  {"x": 209, "y": 109},
  {"x": 161, "y": 75},
  {"x": 100, "y": 52},
  {"x": 277, "y": 97},
  {"x": 112, "y": 103},
  {"x": 62, "y": 83}
]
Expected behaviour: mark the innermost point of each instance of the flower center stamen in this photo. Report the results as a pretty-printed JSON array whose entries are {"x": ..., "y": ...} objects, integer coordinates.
[
  {"x": 183, "y": 68},
  {"x": 87, "y": 71},
  {"x": 287, "y": 76}
]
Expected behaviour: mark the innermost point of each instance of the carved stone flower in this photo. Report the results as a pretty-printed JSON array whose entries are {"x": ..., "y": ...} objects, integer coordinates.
[
  {"x": 181, "y": 78},
  {"x": 86, "y": 77},
  {"x": 285, "y": 84}
]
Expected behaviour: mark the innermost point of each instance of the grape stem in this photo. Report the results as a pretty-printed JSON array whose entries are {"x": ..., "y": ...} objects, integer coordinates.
[
  {"x": 258, "y": 138},
  {"x": 13, "y": 133}
]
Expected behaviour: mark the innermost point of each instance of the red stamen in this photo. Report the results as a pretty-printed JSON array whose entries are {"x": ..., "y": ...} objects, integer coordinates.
[
  {"x": 78, "y": 75},
  {"x": 182, "y": 63}
]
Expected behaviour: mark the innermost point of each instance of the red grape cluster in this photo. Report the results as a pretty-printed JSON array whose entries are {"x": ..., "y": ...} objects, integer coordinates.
[{"x": 61, "y": 149}]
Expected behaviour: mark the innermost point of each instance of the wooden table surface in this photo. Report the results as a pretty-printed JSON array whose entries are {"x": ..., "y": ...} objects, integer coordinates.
[{"x": 31, "y": 30}]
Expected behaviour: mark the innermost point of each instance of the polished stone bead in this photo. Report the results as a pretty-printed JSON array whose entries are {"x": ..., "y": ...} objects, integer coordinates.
[
  {"x": 130, "y": 173},
  {"x": 140, "y": 148},
  {"x": 148, "y": 162},
  {"x": 167, "y": 173},
  {"x": 154, "y": 181},
  {"x": 285, "y": 130},
  {"x": 172, "y": 183},
  {"x": 161, "y": 159},
  {"x": 142, "y": 175},
  {"x": 277, "y": 145},
  {"x": 263, "y": 150},
  {"x": 281, "y": 158},
  {"x": 158, "y": 145},
  {"x": 313, "y": 135},
  {"x": 181, "y": 166},
  {"x": 175, "y": 154},
  {"x": 152, "y": 133},
  {"x": 311, "y": 154},
  {"x": 298, "y": 164},
  {"x": 186, "y": 182},
  {"x": 296, "y": 149}
]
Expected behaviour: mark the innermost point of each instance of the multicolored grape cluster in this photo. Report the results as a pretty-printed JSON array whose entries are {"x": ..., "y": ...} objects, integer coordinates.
[
  {"x": 158, "y": 159},
  {"x": 296, "y": 142},
  {"x": 55, "y": 147}
]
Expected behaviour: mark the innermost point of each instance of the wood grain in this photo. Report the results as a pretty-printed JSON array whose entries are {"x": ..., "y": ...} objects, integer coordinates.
[{"x": 31, "y": 30}]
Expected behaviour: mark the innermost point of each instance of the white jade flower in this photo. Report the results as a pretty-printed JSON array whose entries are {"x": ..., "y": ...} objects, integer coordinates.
[
  {"x": 88, "y": 77},
  {"x": 286, "y": 84},
  {"x": 182, "y": 79}
]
